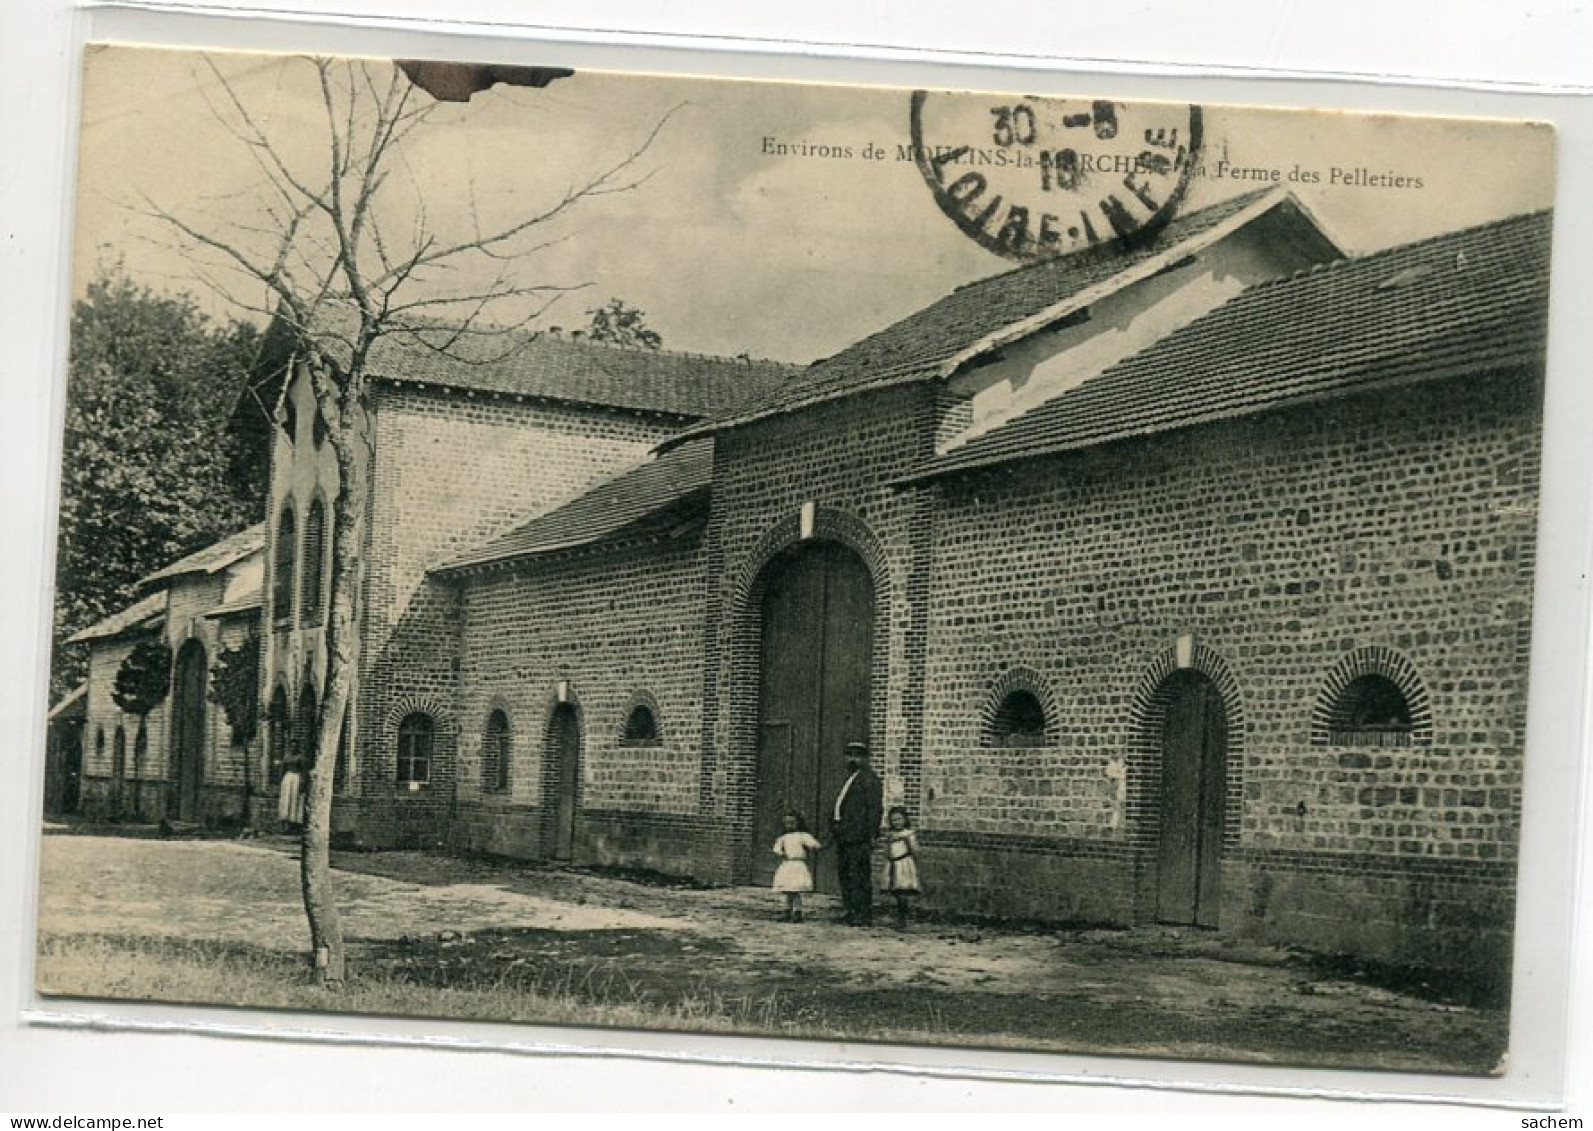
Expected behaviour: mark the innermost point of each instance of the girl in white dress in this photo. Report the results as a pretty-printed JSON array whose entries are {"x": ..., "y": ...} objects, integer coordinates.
[
  {"x": 290, "y": 797},
  {"x": 794, "y": 875},
  {"x": 901, "y": 863}
]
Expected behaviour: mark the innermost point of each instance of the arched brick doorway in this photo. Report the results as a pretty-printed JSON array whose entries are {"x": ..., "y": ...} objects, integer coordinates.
[
  {"x": 188, "y": 731},
  {"x": 814, "y": 688},
  {"x": 1192, "y": 800},
  {"x": 119, "y": 804},
  {"x": 561, "y": 781},
  {"x": 71, "y": 746}
]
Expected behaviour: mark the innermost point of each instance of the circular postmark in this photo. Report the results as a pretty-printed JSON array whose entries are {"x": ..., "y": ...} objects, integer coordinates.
[{"x": 1029, "y": 178}]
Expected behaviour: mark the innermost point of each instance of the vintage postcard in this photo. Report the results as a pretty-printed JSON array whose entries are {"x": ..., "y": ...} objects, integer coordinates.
[{"x": 991, "y": 570}]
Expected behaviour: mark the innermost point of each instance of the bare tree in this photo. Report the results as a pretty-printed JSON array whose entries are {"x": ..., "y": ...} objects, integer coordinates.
[{"x": 340, "y": 268}]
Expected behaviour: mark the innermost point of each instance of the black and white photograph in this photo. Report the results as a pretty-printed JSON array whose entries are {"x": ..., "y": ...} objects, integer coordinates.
[{"x": 913, "y": 567}]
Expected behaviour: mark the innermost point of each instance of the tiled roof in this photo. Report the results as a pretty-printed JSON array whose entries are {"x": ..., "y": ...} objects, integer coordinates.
[
  {"x": 1465, "y": 301},
  {"x": 215, "y": 557},
  {"x": 147, "y": 612},
  {"x": 647, "y": 498},
  {"x": 542, "y": 366},
  {"x": 931, "y": 342}
]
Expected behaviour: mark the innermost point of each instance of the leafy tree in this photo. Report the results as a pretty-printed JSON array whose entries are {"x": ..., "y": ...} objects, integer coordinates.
[
  {"x": 235, "y": 688},
  {"x": 622, "y": 325},
  {"x": 144, "y": 679},
  {"x": 145, "y": 460}
]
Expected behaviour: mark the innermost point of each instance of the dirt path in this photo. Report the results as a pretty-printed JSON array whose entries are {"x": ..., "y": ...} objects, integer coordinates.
[{"x": 456, "y": 923}]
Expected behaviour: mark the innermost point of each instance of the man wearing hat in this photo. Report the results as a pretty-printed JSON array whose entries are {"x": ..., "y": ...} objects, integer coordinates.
[{"x": 855, "y": 821}]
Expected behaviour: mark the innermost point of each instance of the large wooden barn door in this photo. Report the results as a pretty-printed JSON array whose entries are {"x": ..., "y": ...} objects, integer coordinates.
[
  {"x": 1193, "y": 795},
  {"x": 188, "y": 731},
  {"x": 564, "y": 779},
  {"x": 814, "y": 691}
]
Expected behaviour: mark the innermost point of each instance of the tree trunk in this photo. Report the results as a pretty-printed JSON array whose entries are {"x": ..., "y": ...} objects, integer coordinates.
[{"x": 340, "y": 404}]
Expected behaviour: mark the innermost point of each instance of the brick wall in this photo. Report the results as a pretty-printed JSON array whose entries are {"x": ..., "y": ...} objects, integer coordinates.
[
  {"x": 141, "y": 790},
  {"x": 146, "y": 792},
  {"x": 1280, "y": 556},
  {"x": 839, "y": 457},
  {"x": 451, "y": 471},
  {"x": 1396, "y": 526},
  {"x": 1062, "y": 792},
  {"x": 293, "y": 648},
  {"x": 612, "y": 629},
  {"x": 232, "y": 784},
  {"x": 187, "y": 600}
]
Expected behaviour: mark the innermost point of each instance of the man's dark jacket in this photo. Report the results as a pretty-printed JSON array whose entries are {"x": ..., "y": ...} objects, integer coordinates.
[{"x": 861, "y": 809}]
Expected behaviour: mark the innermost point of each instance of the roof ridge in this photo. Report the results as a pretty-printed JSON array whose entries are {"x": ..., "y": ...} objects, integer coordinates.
[
  {"x": 243, "y": 537},
  {"x": 1239, "y": 304},
  {"x": 1341, "y": 344},
  {"x": 963, "y": 317},
  {"x": 527, "y": 363},
  {"x": 664, "y": 351},
  {"x": 1238, "y": 202},
  {"x": 579, "y": 339},
  {"x": 1392, "y": 250}
]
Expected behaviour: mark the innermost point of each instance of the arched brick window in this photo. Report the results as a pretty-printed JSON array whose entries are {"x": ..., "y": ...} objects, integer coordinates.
[
  {"x": 496, "y": 747},
  {"x": 141, "y": 747},
  {"x": 417, "y": 736},
  {"x": 641, "y": 722},
  {"x": 1019, "y": 720},
  {"x": 119, "y": 769},
  {"x": 311, "y": 587},
  {"x": 278, "y": 737},
  {"x": 282, "y": 568},
  {"x": 306, "y": 725},
  {"x": 1372, "y": 697},
  {"x": 1370, "y": 711},
  {"x": 1019, "y": 711}
]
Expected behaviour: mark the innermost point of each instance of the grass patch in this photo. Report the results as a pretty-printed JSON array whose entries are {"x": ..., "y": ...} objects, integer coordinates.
[
  {"x": 499, "y": 977},
  {"x": 597, "y": 994}
]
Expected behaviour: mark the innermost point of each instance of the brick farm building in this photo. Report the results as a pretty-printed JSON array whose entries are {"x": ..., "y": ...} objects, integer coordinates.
[{"x": 1185, "y": 584}]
